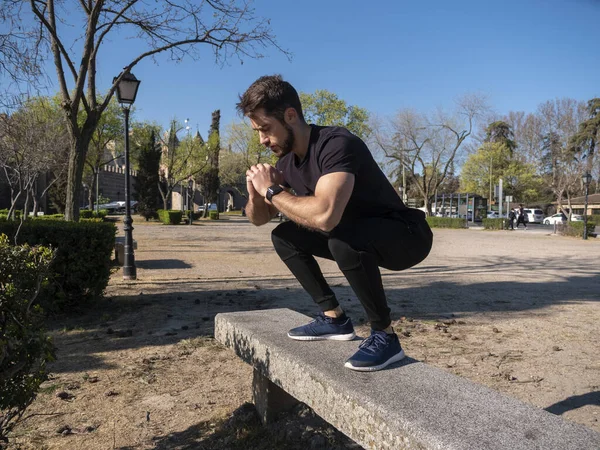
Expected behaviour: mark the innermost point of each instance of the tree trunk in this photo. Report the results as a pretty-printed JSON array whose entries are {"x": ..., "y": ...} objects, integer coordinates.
[{"x": 74, "y": 175}]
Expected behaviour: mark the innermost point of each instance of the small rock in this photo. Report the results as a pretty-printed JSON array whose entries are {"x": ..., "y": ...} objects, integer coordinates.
[
  {"x": 455, "y": 338},
  {"x": 93, "y": 379},
  {"x": 170, "y": 333},
  {"x": 110, "y": 331},
  {"x": 406, "y": 333},
  {"x": 64, "y": 430},
  {"x": 111, "y": 393},
  {"x": 197, "y": 301},
  {"x": 556, "y": 348},
  {"x": 495, "y": 330},
  {"x": 179, "y": 298},
  {"x": 206, "y": 319},
  {"x": 461, "y": 322},
  {"x": 185, "y": 327},
  {"x": 64, "y": 395}
]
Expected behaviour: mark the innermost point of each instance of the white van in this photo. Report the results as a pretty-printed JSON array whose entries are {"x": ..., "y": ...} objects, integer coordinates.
[{"x": 534, "y": 215}]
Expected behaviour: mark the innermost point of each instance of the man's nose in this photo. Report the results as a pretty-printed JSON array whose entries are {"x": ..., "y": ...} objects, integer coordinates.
[{"x": 264, "y": 140}]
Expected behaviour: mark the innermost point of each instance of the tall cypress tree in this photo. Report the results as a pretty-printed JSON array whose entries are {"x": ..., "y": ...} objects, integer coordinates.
[{"x": 146, "y": 183}]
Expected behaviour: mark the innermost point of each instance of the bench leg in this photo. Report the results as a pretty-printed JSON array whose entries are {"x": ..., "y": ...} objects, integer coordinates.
[{"x": 269, "y": 398}]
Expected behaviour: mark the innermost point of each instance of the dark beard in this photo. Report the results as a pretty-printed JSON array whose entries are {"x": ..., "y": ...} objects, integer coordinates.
[{"x": 290, "y": 140}]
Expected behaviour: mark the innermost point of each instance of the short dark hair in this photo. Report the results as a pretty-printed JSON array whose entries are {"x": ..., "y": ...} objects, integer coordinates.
[{"x": 273, "y": 95}]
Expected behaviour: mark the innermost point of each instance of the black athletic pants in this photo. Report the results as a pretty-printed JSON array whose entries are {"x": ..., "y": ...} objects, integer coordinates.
[{"x": 359, "y": 248}]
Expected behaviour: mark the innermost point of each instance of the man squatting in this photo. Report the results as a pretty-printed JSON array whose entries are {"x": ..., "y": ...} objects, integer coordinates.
[{"x": 341, "y": 207}]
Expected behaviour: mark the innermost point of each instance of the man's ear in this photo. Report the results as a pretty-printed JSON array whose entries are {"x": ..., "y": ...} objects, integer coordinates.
[{"x": 290, "y": 115}]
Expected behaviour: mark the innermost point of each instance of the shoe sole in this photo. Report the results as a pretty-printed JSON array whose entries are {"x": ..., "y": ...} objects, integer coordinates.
[
  {"x": 328, "y": 337},
  {"x": 397, "y": 357}
]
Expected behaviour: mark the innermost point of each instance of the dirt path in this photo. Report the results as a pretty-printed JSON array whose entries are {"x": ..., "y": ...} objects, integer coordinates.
[{"x": 515, "y": 311}]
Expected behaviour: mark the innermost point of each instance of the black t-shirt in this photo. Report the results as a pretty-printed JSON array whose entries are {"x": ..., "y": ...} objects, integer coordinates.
[{"x": 335, "y": 149}]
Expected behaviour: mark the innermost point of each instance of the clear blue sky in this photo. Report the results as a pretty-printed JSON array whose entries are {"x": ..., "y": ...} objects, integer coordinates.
[{"x": 387, "y": 55}]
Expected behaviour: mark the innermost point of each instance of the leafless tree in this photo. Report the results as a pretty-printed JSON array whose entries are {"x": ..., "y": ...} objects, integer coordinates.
[
  {"x": 31, "y": 145},
  {"x": 427, "y": 146},
  {"x": 176, "y": 27}
]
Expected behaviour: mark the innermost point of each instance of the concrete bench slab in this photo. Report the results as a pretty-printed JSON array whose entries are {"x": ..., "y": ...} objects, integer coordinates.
[
  {"x": 120, "y": 249},
  {"x": 410, "y": 405}
]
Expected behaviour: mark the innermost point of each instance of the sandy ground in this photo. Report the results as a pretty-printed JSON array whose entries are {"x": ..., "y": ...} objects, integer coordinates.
[{"x": 517, "y": 311}]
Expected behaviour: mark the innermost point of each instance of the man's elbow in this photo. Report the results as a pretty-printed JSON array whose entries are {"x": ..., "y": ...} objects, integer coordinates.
[{"x": 327, "y": 222}]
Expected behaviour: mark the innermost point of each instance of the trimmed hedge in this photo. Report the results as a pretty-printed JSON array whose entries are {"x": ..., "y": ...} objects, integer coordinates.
[
  {"x": 446, "y": 222},
  {"x": 90, "y": 214},
  {"x": 495, "y": 224},
  {"x": 50, "y": 217},
  {"x": 81, "y": 267},
  {"x": 213, "y": 215},
  {"x": 170, "y": 217},
  {"x": 575, "y": 229}
]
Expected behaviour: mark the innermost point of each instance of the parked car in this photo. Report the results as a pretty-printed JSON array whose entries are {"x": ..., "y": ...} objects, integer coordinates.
[
  {"x": 211, "y": 207},
  {"x": 555, "y": 218},
  {"x": 534, "y": 215},
  {"x": 576, "y": 218}
]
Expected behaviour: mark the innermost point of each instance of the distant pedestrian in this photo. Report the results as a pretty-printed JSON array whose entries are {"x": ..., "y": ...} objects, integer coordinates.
[
  {"x": 511, "y": 219},
  {"x": 522, "y": 217}
]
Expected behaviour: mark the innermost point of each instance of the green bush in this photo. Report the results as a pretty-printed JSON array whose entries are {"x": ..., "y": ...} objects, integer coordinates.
[
  {"x": 89, "y": 214},
  {"x": 169, "y": 216},
  {"x": 18, "y": 212},
  {"x": 213, "y": 215},
  {"x": 50, "y": 217},
  {"x": 81, "y": 267},
  {"x": 446, "y": 222},
  {"x": 575, "y": 229},
  {"x": 495, "y": 224},
  {"x": 24, "y": 347}
]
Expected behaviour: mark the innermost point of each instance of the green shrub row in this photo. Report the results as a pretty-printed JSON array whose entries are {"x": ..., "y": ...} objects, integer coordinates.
[
  {"x": 576, "y": 228},
  {"x": 446, "y": 222},
  {"x": 213, "y": 215},
  {"x": 24, "y": 347},
  {"x": 170, "y": 216},
  {"x": 50, "y": 217},
  {"x": 495, "y": 224},
  {"x": 90, "y": 214},
  {"x": 81, "y": 267}
]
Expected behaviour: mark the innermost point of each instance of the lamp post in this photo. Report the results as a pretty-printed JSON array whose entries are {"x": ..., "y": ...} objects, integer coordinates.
[
  {"x": 126, "y": 93},
  {"x": 191, "y": 199},
  {"x": 586, "y": 179}
]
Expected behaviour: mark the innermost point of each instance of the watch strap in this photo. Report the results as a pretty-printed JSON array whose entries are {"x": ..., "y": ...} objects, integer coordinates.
[{"x": 273, "y": 190}]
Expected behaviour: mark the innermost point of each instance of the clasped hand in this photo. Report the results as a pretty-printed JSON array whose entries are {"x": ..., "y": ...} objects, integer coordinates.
[{"x": 261, "y": 176}]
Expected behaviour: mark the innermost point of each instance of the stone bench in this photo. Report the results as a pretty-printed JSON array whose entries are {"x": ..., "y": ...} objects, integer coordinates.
[
  {"x": 120, "y": 249},
  {"x": 410, "y": 405}
]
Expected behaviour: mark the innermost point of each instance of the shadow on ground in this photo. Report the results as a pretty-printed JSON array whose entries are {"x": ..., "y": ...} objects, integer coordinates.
[
  {"x": 574, "y": 402},
  {"x": 187, "y": 308},
  {"x": 300, "y": 429}
]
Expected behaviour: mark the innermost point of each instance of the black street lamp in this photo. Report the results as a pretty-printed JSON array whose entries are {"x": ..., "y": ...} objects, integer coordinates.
[
  {"x": 586, "y": 179},
  {"x": 126, "y": 93},
  {"x": 191, "y": 199}
]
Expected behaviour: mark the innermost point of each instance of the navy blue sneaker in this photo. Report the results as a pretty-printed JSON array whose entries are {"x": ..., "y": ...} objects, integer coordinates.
[
  {"x": 376, "y": 352},
  {"x": 324, "y": 327}
]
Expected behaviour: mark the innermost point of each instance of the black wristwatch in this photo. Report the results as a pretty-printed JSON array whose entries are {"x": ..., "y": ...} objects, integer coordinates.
[{"x": 273, "y": 190}]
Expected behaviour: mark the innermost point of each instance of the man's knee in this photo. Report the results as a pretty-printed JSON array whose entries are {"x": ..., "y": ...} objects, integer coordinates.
[
  {"x": 282, "y": 237},
  {"x": 344, "y": 255}
]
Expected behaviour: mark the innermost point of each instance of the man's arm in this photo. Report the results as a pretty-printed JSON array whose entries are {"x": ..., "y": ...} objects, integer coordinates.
[
  {"x": 257, "y": 209},
  {"x": 322, "y": 211}
]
